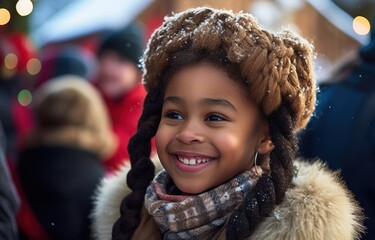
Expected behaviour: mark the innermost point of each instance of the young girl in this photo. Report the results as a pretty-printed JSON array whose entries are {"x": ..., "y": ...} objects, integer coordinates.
[{"x": 225, "y": 100}]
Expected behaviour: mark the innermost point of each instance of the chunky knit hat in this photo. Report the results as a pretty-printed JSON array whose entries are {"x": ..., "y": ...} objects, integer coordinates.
[{"x": 277, "y": 68}]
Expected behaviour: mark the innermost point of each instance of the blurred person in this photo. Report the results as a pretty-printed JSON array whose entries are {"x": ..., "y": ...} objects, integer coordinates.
[
  {"x": 9, "y": 201},
  {"x": 343, "y": 131},
  {"x": 119, "y": 81},
  {"x": 55, "y": 61},
  {"x": 60, "y": 165},
  {"x": 66, "y": 59}
]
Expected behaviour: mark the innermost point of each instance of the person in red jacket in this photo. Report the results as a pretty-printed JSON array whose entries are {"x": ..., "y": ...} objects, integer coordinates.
[{"x": 119, "y": 81}]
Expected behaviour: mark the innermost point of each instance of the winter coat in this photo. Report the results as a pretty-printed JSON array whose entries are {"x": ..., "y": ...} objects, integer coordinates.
[
  {"x": 9, "y": 201},
  {"x": 124, "y": 114},
  {"x": 342, "y": 132},
  {"x": 58, "y": 182},
  {"x": 318, "y": 207},
  {"x": 60, "y": 164}
]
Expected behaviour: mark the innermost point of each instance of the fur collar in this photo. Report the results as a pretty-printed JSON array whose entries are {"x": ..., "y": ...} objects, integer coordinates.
[{"x": 319, "y": 207}]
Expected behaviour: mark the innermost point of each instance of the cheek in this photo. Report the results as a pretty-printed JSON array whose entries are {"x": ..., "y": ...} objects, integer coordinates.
[
  {"x": 129, "y": 73},
  {"x": 230, "y": 144},
  {"x": 237, "y": 145},
  {"x": 162, "y": 139},
  {"x": 229, "y": 139}
]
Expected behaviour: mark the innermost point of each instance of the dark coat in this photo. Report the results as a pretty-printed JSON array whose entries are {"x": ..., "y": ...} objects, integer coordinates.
[
  {"x": 58, "y": 182},
  {"x": 8, "y": 200},
  {"x": 342, "y": 132}
]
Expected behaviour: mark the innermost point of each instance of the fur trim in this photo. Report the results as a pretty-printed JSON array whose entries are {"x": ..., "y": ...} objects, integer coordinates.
[
  {"x": 318, "y": 207},
  {"x": 107, "y": 201}
]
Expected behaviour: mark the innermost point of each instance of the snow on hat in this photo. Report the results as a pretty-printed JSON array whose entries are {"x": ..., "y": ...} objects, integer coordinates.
[{"x": 277, "y": 68}]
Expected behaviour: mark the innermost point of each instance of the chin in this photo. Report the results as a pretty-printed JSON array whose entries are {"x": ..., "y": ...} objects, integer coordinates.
[{"x": 189, "y": 189}]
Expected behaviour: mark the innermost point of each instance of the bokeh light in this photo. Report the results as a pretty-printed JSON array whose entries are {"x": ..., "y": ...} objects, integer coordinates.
[
  {"x": 24, "y": 7},
  {"x": 11, "y": 61},
  {"x": 25, "y": 97},
  {"x": 361, "y": 25},
  {"x": 4, "y": 16},
  {"x": 33, "y": 66}
]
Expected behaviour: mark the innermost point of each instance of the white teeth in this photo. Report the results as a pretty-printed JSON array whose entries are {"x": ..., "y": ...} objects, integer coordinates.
[{"x": 192, "y": 161}]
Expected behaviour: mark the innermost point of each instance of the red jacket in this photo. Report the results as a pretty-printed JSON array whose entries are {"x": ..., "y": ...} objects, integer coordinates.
[{"x": 124, "y": 114}]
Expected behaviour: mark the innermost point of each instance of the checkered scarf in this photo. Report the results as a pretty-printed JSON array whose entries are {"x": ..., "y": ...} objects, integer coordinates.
[{"x": 195, "y": 216}]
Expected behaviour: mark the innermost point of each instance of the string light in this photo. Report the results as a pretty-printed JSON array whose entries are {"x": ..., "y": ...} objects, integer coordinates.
[
  {"x": 4, "y": 16},
  {"x": 11, "y": 61},
  {"x": 33, "y": 66},
  {"x": 361, "y": 25},
  {"x": 25, "y": 97},
  {"x": 24, "y": 7}
]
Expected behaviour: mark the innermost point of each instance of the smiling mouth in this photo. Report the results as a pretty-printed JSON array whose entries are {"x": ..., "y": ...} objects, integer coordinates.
[{"x": 192, "y": 161}]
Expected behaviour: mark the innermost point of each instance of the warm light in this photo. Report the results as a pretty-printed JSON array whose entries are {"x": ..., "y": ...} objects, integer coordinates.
[
  {"x": 24, "y": 7},
  {"x": 11, "y": 61},
  {"x": 33, "y": 66},
  {"x": 25, "y": 97},
  {"x": 4, "y": 16},
  {"x": 361, "y": 25}
]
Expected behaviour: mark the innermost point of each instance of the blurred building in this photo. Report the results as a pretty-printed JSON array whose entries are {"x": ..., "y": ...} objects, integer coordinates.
[{"x": 328, "y": 24}]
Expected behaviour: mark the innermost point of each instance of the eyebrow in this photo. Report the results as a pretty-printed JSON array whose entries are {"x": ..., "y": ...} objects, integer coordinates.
[
  {"x": 205, "y": 101},
  {"x": 216, "y": 102},
  {"x": 175, "y": 100}
]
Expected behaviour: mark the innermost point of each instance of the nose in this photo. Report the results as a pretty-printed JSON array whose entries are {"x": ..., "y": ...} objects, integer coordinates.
[{"x": 190, "y": 133}]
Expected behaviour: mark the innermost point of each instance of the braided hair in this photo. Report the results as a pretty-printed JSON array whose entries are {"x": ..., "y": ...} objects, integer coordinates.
[
  {"x": 274, "y": 70},
  {"x": 269, "y": 189},
  {"x": 142, "y": 169}
]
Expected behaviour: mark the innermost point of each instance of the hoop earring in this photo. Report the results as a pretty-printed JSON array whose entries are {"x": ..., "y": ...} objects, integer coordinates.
[{"x": 255, "y": 163}]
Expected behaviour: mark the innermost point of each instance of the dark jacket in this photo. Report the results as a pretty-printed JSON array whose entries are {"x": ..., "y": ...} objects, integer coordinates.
[
  {"x": 58, "y": 182},
  {"x": 8, "y": 200},
  {"x": 342, "y": 133}
]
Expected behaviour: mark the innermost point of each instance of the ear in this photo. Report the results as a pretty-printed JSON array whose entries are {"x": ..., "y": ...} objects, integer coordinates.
[{"x": 266, "y": 146}]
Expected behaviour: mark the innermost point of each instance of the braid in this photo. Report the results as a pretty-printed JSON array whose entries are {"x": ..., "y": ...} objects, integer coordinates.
[
  {"x": 142, "y": 171},
  {"x": 270, "y": 189}
]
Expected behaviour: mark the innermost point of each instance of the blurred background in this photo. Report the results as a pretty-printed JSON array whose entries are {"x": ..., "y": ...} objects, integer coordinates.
[
  {"x": 43, "y": 39},
  {"x": 28, "y": 28}
]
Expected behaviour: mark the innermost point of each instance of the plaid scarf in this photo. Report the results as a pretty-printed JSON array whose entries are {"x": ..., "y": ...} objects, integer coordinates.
[{"x": 195, "y": 216}]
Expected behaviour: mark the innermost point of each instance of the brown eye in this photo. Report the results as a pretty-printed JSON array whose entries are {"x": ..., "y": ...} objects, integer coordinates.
[
  {"x": 174, "y": 116},
  {"x": 215, "y": 118}
]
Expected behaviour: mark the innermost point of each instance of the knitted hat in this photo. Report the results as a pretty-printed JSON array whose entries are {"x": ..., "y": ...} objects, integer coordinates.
[
  {"x": 277, "y": 68},
  {"x": 63, "y": 60},
  {"x": 127, "y": 42}
]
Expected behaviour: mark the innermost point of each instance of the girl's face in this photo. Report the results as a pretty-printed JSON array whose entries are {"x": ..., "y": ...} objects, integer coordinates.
[{"x": 209, "y": 131}]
